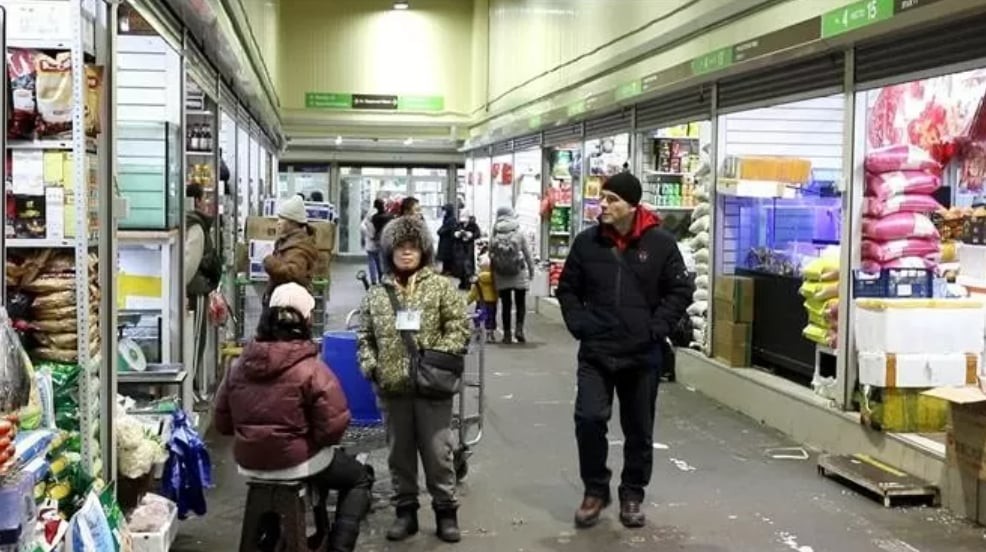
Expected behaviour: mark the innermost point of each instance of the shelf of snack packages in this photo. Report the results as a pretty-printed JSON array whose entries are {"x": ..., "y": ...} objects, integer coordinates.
[
  {"x": 51, "y": 435},
  {"x": 559, "y": 201},
  {"x": 670, "y": 166}
]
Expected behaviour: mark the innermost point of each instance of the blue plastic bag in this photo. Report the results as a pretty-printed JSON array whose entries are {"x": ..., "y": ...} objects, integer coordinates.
[{"x": 188, "y": 471}]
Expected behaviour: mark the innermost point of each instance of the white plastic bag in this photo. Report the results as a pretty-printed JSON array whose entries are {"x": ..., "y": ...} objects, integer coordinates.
[
  {"x": 698, "y": 322},
  {"x": 701, "y": 224},
  {"x": 89, "y": 530},
  {"x": 700, "y": 295},
  {"x": 539, "y": 284},
  {"x": 698, "y": 308}
]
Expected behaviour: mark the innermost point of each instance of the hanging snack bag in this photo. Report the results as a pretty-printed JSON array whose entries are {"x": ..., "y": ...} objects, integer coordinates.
[
  {"x": 94, "y": 95},
  {"x": 23, "y": 79},
  {"x": 54, "y": 85}
]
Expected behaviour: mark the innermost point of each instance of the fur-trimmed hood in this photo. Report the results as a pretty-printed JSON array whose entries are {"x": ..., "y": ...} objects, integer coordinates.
[{"x": 408, "y": 228}]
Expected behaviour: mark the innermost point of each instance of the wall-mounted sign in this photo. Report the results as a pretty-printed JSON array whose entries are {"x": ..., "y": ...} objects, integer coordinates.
[
  {"x": 864, "y": 13},
  {"x": 373, "y": 102}
]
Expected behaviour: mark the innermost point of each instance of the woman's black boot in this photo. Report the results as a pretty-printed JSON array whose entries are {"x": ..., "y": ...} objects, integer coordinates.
[
  {"x": 447, "y": 522},
  {"x": 405, "y": 525}
]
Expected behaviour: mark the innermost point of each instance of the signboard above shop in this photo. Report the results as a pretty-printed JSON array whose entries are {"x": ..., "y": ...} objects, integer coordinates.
[
  {"x": 851, "y": 17},
  {"x": 373, "y": 102}
]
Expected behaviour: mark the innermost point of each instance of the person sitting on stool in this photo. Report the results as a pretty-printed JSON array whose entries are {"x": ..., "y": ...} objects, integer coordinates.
[{"x": 287, "y": 412}]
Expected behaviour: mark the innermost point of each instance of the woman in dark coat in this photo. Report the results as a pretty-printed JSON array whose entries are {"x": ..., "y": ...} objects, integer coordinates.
[
  {"x": 464, "y": 249},
  {"x": 446, "y": 237}
]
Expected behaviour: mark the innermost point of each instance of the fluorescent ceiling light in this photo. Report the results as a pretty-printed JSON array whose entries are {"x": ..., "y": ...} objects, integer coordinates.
[
  {"x": 401, "y": 5},
  {"x": 409, "y": 141},
  {"x": 338, "y": 140}
]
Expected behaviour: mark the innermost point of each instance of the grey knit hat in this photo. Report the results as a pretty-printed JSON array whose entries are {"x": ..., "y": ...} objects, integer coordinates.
[{"x": 408, "y": 228}]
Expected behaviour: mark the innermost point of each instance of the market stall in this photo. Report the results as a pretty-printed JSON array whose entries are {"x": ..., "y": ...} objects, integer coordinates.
[
  {"x": 559, "y": 208},
  {"x": 779, "y": 170}
]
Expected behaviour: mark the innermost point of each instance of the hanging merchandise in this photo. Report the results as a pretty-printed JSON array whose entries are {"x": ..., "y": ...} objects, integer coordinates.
[
  {"x": 187, "y": 472},
  {"x": 15, "y": 370}
]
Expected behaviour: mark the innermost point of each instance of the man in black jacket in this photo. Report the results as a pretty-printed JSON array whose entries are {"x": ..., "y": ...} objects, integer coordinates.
[{"x": 623, "y": 290}]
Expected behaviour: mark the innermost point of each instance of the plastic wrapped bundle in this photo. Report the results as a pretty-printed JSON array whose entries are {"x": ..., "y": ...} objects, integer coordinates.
[{"x": 188, "y": 471}]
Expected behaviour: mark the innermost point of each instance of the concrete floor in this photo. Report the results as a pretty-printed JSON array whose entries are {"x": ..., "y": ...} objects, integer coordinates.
[{"x": 715, "y": 488}]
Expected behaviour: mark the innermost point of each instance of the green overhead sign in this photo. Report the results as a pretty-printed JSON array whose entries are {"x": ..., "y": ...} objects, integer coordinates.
[
  {"x": 373, "y": 102},
  {"x": 628, "y": 90},
  {"x": 856, "y": 16},
  {"x": 713, "y": 61}
]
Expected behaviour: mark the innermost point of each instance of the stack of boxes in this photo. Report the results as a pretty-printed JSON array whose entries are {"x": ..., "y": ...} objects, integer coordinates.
[
  {"x": 906, "y": 346},
  {"x": 732, "y": 329}
]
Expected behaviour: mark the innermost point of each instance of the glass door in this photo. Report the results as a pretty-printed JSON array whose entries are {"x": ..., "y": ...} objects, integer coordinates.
[
  {"x": 360, "y": 187},
  {"x": 428, "y": 185}
]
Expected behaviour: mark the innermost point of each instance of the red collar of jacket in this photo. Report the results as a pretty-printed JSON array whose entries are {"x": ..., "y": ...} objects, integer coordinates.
[{"x": 643, "y": 221}]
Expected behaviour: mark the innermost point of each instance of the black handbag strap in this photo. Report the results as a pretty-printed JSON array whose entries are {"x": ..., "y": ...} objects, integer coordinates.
[{"x": 413, "y": 352}]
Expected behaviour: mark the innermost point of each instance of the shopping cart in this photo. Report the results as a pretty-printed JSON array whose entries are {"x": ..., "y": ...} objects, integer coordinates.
[{"x": 466, "y": 424}]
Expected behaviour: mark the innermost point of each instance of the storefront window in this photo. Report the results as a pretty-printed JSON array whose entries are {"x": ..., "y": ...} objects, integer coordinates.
[
  {"x": 563, "y": 194},
  {"x": 502, "y": 173},
  {"x": 604, "y": 158},
  {"x": 527, "y": 178},
  {"x": 360, "y": 186},
  {"x": 779, "y": 199},
  {"x": 483, "y": 190},
  {"x": 676, "y": 175},
  {"x": 919, "y": 175}
]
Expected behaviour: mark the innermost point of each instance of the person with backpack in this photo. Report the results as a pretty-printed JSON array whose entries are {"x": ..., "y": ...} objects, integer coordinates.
[
  {"x": 203, "y": 264},
  {"x": 203, "y": 267},
  {"x": 622, "y": 292},
  {"x": 513, "y": 270}
]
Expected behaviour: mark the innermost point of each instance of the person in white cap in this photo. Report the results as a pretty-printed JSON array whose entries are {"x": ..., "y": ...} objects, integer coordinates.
[
  {"x": 295, "y": 255},
  {"x": 287, "y": 413}
]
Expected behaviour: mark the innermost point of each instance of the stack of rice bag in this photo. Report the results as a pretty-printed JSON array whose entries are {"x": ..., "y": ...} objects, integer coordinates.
[
  {"x": 821, "y": 292},
  {"x": 700, "y": 228},
  {"x": 897, "y": 229}
]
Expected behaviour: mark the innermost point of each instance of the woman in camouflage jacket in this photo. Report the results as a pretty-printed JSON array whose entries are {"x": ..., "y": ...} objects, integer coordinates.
[{"x": 414, "y": 424}]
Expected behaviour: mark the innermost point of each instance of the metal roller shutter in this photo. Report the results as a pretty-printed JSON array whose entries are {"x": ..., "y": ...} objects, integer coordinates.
[
  {"x": 823, "y": 75},
  {"x": 527, "y": 142},
  {"x": 563, "y": 135},
  {"x": 608, "y": 125},
  {"x": 683, "y": 106},
  {"x": 501, "y": 148},
  {"x": 928, "y": 49}
]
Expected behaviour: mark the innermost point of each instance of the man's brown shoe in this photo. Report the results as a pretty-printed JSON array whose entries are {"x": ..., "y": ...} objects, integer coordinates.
[
  {"x": 588, "y": 513},
  {"x": 631, "y": 516}
]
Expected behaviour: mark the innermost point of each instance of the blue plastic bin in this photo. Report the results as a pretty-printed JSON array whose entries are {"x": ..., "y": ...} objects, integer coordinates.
[
  {"x": 339, "y": 352},
  {"x": 894, "y": 283}
]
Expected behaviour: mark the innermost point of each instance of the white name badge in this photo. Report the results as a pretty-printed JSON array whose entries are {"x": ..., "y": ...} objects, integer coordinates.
[{"x": 408, "y": 320}]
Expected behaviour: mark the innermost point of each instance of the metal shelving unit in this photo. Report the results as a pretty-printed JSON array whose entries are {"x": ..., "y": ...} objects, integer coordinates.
[{"x": 79, "y": 27}]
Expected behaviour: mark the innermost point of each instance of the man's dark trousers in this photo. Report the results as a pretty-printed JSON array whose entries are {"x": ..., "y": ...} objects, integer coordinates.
[{"x": 636, "y": 387}]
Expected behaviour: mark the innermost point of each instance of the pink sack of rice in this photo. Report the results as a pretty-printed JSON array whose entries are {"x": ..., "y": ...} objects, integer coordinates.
[
  {"x": 899, "y": 226},
  {"x": 874, "y": 207},
  {"x": 901, "y": 158},
  {"x": 884, "y": 252},
  {"x": 890, "y": 184}
]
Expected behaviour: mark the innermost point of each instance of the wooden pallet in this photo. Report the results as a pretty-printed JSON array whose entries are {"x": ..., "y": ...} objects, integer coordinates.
[{"x": 883, "y": 481}]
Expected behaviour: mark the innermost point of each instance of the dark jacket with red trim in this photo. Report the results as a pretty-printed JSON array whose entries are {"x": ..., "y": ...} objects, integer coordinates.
[{"x": 621, "y": 311}]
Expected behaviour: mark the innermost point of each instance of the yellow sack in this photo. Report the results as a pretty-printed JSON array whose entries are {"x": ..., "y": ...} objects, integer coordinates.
[
  {"x": 825, "y": 269},
  {"x": 819, "y": 290}
]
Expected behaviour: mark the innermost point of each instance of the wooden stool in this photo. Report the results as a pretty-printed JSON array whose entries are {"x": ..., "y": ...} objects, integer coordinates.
[{"x": 275, "y": 503}]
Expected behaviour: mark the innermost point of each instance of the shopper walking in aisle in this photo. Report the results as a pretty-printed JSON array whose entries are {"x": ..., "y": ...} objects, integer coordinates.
[
  {"x": 287, "y": 413},
  {"x": 294, "y": 256},
  {"x": 415, "y": 312},
  {"x": 622, "y": 292},
  {"x": 371, "y": 227},
  {"x": 513, "y": 270},
  {"x": 464, "y": 249},
  {"x": 446, "y": 236}
]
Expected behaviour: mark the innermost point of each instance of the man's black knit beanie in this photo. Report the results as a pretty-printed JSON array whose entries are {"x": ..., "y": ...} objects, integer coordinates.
[{"x": 626, "y": 186}]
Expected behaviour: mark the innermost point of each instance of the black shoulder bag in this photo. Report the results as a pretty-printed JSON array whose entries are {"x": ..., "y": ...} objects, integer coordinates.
[{"x": 434, "y": 374}]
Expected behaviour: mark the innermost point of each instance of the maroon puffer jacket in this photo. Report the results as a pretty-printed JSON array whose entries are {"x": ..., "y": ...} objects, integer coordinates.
[{"x": 282, "y": 403}]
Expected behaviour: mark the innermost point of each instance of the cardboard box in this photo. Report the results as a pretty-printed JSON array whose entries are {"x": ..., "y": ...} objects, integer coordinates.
[
  {"x": 325, "y": 235},
  {"x": 729, "y": 311},
  {"x": 731, "y": 342},
  {"x": 965, "y": 481},
  {"x": 318, "y": 210},
  {"x": 905, "y": 411},
  {"x": 261, "y": 228},
  {"x": 733, "y": 299},
  {"x": 917, "y": 371},
  {"x": 259, "y": 249}
]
